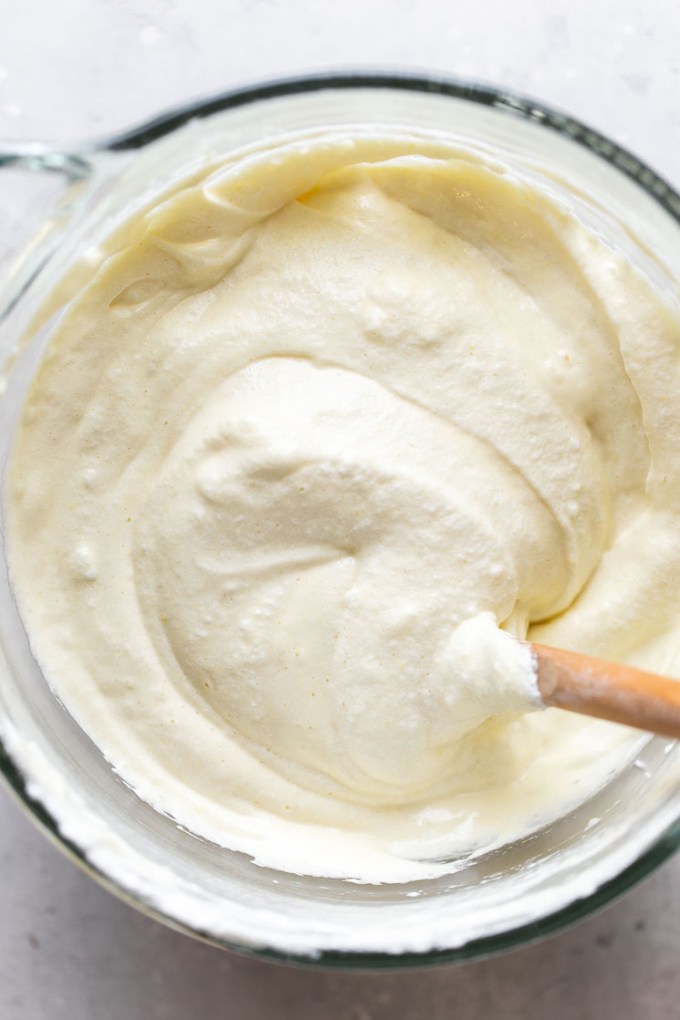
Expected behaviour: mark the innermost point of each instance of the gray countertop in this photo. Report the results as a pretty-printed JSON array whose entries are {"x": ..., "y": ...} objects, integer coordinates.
[
  {"x": 76, "y": 68},
  {"x": 70, "y": 951}
]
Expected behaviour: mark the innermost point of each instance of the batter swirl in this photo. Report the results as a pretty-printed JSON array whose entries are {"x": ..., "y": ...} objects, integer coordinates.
[{"x": 322, "y": 422}]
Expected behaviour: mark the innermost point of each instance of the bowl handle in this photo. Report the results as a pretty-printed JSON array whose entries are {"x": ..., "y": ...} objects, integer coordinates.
[
  {"x": 34, "y": 215},
  {"x": 39, "y": 157}
]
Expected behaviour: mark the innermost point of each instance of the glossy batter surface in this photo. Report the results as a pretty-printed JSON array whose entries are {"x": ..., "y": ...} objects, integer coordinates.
[{"x": 322, "y": 422}]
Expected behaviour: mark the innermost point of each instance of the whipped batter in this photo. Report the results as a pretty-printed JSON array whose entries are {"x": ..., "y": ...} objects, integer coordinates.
[{"x": 327, "y": 427}]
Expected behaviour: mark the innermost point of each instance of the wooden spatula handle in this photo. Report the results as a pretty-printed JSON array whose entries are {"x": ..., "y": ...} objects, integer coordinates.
[{"x": 608, "y": 690}]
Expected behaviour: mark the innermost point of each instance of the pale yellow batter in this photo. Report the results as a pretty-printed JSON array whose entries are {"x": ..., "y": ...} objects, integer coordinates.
[{"x": 319, "y": 424}]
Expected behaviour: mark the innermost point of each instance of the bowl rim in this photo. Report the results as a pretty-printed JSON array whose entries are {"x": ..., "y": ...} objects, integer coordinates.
[{"x": 512, "y": 104}]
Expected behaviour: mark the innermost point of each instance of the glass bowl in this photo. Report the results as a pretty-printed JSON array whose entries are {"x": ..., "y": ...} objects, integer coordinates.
[{"x": 503, "y": 899}]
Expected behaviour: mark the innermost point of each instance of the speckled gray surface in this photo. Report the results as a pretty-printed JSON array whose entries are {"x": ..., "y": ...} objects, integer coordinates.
[{"x": 76, "y": 68}]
